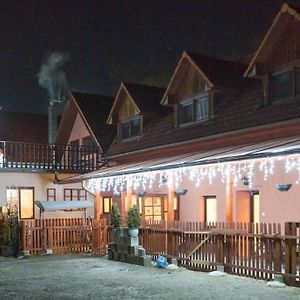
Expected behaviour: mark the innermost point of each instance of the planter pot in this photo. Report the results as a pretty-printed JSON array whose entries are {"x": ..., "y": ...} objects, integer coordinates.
[
  {"x": 9, "y": 251},
  {"x": 133, "y": 232},
  {"x": 116, "y": 230},
  {"x": 283, "y": 187}
]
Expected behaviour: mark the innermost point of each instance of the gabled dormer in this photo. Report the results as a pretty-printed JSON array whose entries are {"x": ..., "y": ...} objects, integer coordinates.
[
  {"x": 135, "y": 106},
  {"x": 198, "y": 85},
  {"x": 277, "y": 61},
  {"x": 83, "y": 121}
]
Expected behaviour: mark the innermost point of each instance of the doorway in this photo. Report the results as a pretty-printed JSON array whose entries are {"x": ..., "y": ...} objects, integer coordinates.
[
  {"x": 210, "y": 209},
  {"x": 247, "y": 207}
]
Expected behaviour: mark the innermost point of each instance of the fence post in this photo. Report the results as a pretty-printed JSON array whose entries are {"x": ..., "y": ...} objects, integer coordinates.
[
  {"x": 24, "y": 246},
  {"x": 49, "y": 237},
  {"x": 290, "y": 253},
  {"x": 220, "y": 252}
]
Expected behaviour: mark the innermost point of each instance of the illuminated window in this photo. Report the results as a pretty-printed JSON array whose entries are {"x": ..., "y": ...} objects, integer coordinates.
[
  {"x": 107, "y": 203},
  {"x": 22, "y": 197},
  {"x": 153, "y": 208}
]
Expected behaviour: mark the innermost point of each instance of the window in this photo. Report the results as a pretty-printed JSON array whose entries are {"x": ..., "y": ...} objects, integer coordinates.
[
  {"x": 88, "y": 141},
  {"x": 107, "y": 203},
  {"x": 130, "y": 128},
  {"x": 75, "y": 194},
  {"x": 285, "y": 85},
  {"x": 194, "y": 110},
  {"x": 282, "y": 86},
  {"x": 23, "y": 197},
  {"x": 153, "y": 208},
  {"x": 74, "y": 152},
  {"x": 51, "y": 194}
]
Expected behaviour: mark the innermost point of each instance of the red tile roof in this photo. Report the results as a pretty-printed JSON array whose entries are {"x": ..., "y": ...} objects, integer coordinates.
[
  {"x": 20, "y": 127},
  {"x": 147, "y": 98},
  {"x": 95, "y": 109},
  {"x": 241, "y": 111},
  {"x": 222, "y": 73}
]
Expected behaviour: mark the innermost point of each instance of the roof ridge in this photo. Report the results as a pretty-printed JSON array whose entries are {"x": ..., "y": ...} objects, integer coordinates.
[{"x": 214, "y": 58}]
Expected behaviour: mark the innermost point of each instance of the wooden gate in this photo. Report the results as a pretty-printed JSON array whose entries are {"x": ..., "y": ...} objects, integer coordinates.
[{"x": 64, "y": 236}]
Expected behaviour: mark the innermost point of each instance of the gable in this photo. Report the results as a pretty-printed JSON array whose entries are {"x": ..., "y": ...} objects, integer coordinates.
[
  {"x": 286, "y": 49},
  {"x": 192, "y": 84},
  {"x": 79, "y": 129},
  {"x": 123, "y": 107},
  {"x": 126, "y": 107},
  {"x": 280, "y": 46},
  {"x": 187, "y": 80}
]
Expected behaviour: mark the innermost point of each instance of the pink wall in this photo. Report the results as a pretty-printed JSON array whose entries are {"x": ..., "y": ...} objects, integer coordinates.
[{"x": 79, "y": 130}]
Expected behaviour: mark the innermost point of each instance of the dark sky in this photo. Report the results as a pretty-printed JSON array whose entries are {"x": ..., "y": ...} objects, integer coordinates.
[{"x": 109, "y": 41}]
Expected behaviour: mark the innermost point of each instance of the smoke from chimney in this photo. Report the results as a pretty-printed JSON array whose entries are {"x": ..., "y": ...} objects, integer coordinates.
[{"x": 51, "y": 76}]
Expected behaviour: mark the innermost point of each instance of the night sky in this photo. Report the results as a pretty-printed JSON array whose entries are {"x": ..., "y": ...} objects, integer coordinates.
[{"x": 105, "y": 42}]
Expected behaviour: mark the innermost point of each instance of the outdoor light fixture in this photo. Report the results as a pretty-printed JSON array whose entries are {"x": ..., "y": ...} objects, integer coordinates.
[
  {"x": 181, "y": 192},
  {"x": 245, "y": 181},
  {"x": 164, "y": 179},
  {"x": 141, "y": 194},
  {"x": 283, "y": 187},
  {"x": 117, "y": 194}
]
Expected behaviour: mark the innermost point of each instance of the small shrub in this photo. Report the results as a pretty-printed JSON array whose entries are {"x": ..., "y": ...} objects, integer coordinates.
[
  {"x": 115, "y": 216},
  {"x": 133, "y": 217}
]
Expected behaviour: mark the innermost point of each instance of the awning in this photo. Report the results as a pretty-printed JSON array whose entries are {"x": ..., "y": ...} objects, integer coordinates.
[
  {"x": 63, "y": 205},
  {"x": 270, "y": 148}
]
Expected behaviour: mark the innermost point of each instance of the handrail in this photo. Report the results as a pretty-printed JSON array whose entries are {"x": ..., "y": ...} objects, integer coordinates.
[{"x": 71, "y": 158}]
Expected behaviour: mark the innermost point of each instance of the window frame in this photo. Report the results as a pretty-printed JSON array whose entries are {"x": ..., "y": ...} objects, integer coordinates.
[
  {"x": 295, "y": 93},
  {"x": 75, "y": 193},
  {"x": 203, "y": 97},
  {"x": 129, "y": 121},
  {"x": 205, "y": 206},
  {"x": 103, "y": 206},
  {"x": 20, "y": 207},
  {"x": 51, "y": 197}
]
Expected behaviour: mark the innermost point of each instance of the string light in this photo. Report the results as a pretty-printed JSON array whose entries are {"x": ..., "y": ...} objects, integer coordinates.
[{"x": 197, "y": 174}]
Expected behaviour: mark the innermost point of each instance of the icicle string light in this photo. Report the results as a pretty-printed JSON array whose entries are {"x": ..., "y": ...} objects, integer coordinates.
[{"x": 144, "y": 181}]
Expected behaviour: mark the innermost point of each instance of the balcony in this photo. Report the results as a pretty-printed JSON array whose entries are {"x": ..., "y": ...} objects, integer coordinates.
[{"x": 50, "y": 158}]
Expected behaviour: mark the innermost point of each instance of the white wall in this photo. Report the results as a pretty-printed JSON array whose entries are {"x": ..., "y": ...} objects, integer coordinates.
[{"x": 40, "y": 182}]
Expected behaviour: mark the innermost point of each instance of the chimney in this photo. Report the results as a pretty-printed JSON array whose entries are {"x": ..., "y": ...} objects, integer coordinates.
[{"x": 55, "y": 110}]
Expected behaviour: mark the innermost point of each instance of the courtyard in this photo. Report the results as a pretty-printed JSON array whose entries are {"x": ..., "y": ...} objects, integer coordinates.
[{"x": 87, "y": 277}]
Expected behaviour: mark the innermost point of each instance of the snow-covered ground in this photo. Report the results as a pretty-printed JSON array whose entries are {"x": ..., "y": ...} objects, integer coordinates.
[{"x": 86, "y": 277}]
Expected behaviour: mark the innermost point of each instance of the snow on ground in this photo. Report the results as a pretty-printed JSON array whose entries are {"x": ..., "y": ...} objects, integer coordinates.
[{"x": 86, "y": 277}]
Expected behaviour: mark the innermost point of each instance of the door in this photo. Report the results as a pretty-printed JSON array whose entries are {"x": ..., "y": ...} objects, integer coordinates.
[
  {"x": 210, "y": 209},
  {"x": 153, "y": 207},
  {"x": 254, "y": 207}
]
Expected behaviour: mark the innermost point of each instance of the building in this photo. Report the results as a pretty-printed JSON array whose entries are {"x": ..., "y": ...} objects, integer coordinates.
[
  {"x": 32, "y": 170},
  {"x": 221, "y": 143}
]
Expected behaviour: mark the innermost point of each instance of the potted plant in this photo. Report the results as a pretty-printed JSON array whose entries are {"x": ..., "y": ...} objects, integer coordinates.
[
  {"x": 115, "y": 217},
  {"x": 11, "y": 232},
  {"x": 133, "y": 221}
]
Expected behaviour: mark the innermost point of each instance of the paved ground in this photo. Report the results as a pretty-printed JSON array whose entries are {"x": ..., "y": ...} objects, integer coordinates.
[{"x": 85, "y": 277}]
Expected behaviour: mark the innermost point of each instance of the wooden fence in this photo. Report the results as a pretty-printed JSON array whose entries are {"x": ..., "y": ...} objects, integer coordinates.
[
  {"x": 251, "y": 250},
  {"x": 64, "y": 236}
]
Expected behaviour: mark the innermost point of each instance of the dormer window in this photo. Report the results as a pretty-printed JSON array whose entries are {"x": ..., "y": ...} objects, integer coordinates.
[
  {"x": 193, "y": 110},
  {"x": 130, "y": 128},
  {"x": 282, "y": 86},
  {"x": 285, "y": 85}
]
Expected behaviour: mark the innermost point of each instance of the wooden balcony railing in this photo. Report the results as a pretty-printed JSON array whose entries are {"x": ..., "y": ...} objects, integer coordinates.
[{"x": 68, "y": 158}]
